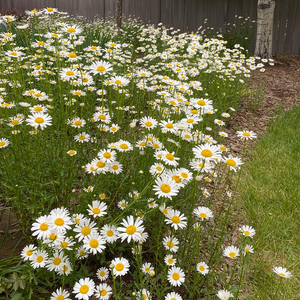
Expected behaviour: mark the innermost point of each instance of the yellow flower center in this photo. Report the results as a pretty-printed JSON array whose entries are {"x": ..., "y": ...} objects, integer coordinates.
[
  {"x": 44, "y": 226},
  {"x": 190, "y": 121},
  {"x": 281, "y": 274},
  {"x": 78, "y": 93},
  {"x": 34, "y": 11},
  {"x": 100, "y": 164},
  {"x": 39, "y": 120},
  {"x": 86, "y": 230},
  {"x": 175, "y": 276},
  {"x": 2, "y": 144},
  {"x": 175, "y": 219},
  {"x": 201, "y": 103},
  {"x": 94, "y": 243},
  {"x": 93, "y": 47},
  {"x": 81, "y": 253},
  {"x": 145, "y": 297},
  {"x": 82, "y": 137},
  {"x": 72, "y": 55},
  {"x": 158, "y": 168},
  {"x": 39, "y": 259},
  {"x": 246, "y": 134},
  {"x": 247, "y": 232},
  {"x": 148, "y": 123},
  {"x": 38, "y": 95},
  {"x": 115, "y": 167},
  {"x": 206, "y": 153},
  {"x": 201, "y": 268},
  {"x": 15, "y": 122},
  {"x": 170, "y": 244},
  {"x": 50, "y": 9},
  {"x": 60, "y": 297},
  {"x": 124, "y": 146},
  {"x": 107, "y": 155},
  {"x": 64, "y": 245},
  {"x": 69, "y": 73},
  {"x": 52, "y": 236},
  {"x": 143, "y": 74},
  {"x": 170, "y": 261},
  {"x": 29, "y": 252},
  {"x": 38, "y": 108},
  {"x": 118, "y": 81},
  {"x": 96, "y": 211},
  {"x": 222, "y": 148},
  {"x": 84, "y": 289},
  {"x": 103, "y": 293},
  {"x": 143, "y": 144},
  {"x": 169, "y": 156},
  {"x": 13, "y": 53},
  {"x": 165, "y": 188},
  {"x": 101, "y": 69},
  {"x": 102, "y": 117},
  {"x": 110, "y": 233},
  {"x": 176, "y": 179},
  {"x": 231, "y": 162},
  {"x": 56, "y": 261},
  {"x": 203, "y": 215},
  {"x": 131, "y": 229},
  {"x": 71, "y": 30},
  {"x": 169, "y": 125},
  {"x": 72, "y": 152},
  {"x": 59, "y": 222},
  {"x": 123, "y": 204},
  {"x": 231, "y": 254},
  {"x": 119, "y": 267}
]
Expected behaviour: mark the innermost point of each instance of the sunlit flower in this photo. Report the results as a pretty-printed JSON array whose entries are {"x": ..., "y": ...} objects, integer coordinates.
[
  {"x": 84, "y": 288},
  {"x": 39, "y": 119},
  {"x": 173, "y": 296},
  {"x": 224, "y": 295},
  {"x": 97, "y": 209},
  {"x": 100, "y": 67},
  {"x": 176, "y": 219},
  {"x": 170, "y": 260},
  {"x": 85, "y": 228},
  {"x": 171, "y": 243},
  {"x": 102, "y": 273},
  {"x": 55, "y": 262},
  {"x": 247, "y": 230},
  {"x": 39, "y": 259},
  {"x": 282, "y": 272},
  {"x": 176, "y": 276},
  {"x": 132, "y": 229},
  {"x": 165, "y": 187},
  {"x": 103, "y": 291},
  {"x": 4, "y": 143},
  {"x": 202, "y": 268},
  {"x": 121, "y": 266},
  {"x": 246, "y": 135},
  {"x": 109, "y": 233},
  {"x": 60, "y": 294},
  {"x": 248, "y": 249},
  {"x": 203, "y": 212},
  {"x": 231, "y": 252},
  {"x": 27, "y": 252},
  {"x": 94, "y": 243}
]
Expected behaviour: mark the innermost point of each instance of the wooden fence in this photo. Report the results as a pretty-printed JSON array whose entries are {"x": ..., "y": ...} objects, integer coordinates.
[{"x": 183, "y": 14}]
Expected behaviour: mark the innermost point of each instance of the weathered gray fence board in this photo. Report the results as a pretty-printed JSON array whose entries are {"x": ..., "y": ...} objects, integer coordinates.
[
  {"x": 187, "y": 15},
  {"x": 290, "y": 26}
]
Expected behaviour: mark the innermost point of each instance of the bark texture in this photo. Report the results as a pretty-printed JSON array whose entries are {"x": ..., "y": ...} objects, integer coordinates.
[{"x": 264, "y": 37}]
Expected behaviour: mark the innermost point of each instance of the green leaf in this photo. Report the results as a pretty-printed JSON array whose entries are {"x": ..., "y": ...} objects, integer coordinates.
[
  {"x": 16, "y": 296},
  {"x": 16, "y": 285}
]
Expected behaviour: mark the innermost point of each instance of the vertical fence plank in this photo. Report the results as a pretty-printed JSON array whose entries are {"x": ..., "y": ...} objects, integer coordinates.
[
  {"x": 296, "y": 39},
  {"x": 288, "y": 44},
  {"x": 282, "y": 25},
  {"x": 200, "y": 13},
  {"x": 191, "y": 15}
]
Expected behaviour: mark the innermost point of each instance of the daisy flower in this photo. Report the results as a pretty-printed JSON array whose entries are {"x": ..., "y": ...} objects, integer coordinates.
[
  {"x": 81, "y": 253},
  {"x": 171, "y": 243},
  {"x": 246, "y": 135},
  {"x": 143, "y": 295},
  {"x": 123, "y": 146},
  {"x": 68, "y": 74},
  {"x": 231, "y": 252},
  {"x": 97, "y": 209},
  {"x": 77, "y": 123},
  {"x": 157, "y": 168},
  {"x": 82, "y": 137},
  {"x": 132, "y": 229},
  {"x": 84, "y": 288},
  {"x": 202, "y": 268},
  {"x": 282, "y": 272},
  {"x": 85, "y": 228},
  {"x": 72, "y": 30},
  {"x": 109, "y": 233},
  {"x": 72, "y": 152},
  {"x": 102, "y": 273},
  {"x": 248, "y": 249},
  {"x": 39, "y": 259},
  {"x": 165, "y": 187},
  {"x": 55, "y": 262},
  {"x": 115, "y": 167},
  {"x": 176, "y": 219},
  {"x": 170, "y": 260},
  {"x": 146, "y": 268},
  {"x": 121, "y": 266},
  {"x": 234, "y": 163},
  {"x": 103, "y": 291},
  {"x": 60, "y": 294},
  {"x": 173, "y": 296},
  {"x": 203, "y": 212},
  {"x": 224, "y": 295},
  {"x": 168, "y": 158},
  {"x": 39, "y": 119},
  {"x": 40, "y": 228},
  {"x": 27, "y": 252},
  {"x": 148, "y": 122},
  {"x": 100, "y": 67},
  {"x": 207, "y": 152},
  {"x": 94, "y": 243},
  {"x": 176, "y": 276},
  {"x": 60, "y": 221},
  {"x": 4, "y": 143},
  {"x": 38, "y": 108},
  {"x": 107, "y": 155},
  {"x": 122, "y": 204},
  {"x": 247, "y": 231},
  {"x": 65, "y": 243}
]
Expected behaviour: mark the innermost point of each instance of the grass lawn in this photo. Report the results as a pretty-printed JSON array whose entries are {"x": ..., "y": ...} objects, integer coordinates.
[{"x": 270, "y": 193}]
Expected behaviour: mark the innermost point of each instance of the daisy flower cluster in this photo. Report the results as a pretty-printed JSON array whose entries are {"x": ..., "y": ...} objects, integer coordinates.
[{"x": 126, "y": 131}]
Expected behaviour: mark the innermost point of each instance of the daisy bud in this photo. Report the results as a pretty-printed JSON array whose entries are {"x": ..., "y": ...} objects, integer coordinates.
[
  {"x": 199, "y": 177},
  {"x": 111, "y": 266},
  {"x": 133, "y": 294},
  {"x": 152, "y": 273}
]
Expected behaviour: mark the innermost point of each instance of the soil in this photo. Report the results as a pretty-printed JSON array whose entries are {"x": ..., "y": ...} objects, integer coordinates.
[{"x": 279, "y": 87}]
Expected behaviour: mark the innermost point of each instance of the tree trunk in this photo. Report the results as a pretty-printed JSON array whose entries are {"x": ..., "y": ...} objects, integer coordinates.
[
  {"x": 119, "y": 13},
  {"x": 265, "y": 17}
]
